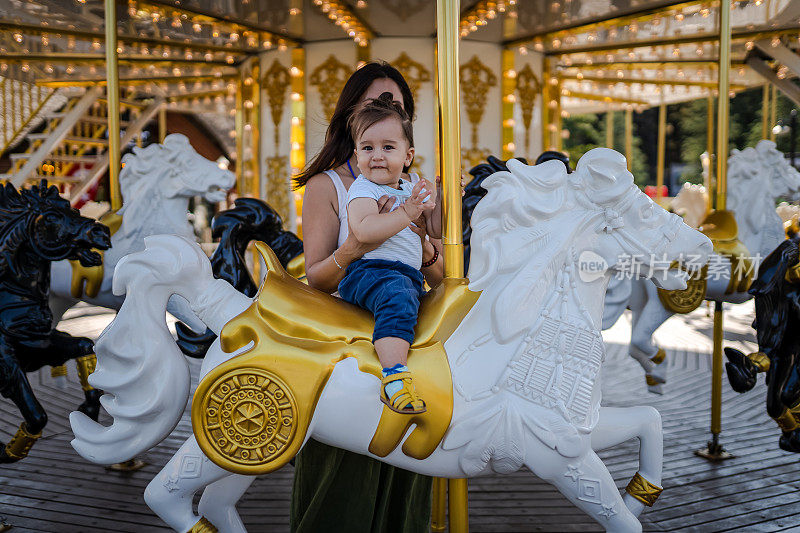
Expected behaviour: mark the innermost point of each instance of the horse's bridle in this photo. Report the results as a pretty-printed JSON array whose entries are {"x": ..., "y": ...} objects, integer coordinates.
[{"x": 615, "y": 227}]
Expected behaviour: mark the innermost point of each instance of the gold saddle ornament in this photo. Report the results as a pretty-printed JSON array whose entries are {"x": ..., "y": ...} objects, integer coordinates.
[
  {"x": 87, "y": 280},
  {"x": 250, "y": 415},
  {"x": 719, "y": 226}
]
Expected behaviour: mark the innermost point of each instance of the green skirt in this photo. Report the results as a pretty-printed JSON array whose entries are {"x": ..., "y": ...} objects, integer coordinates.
[{"x": 340, "y": 491}]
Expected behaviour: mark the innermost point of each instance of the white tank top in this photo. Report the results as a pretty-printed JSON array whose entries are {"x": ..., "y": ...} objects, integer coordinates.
[{"x": 341, "y": 195}]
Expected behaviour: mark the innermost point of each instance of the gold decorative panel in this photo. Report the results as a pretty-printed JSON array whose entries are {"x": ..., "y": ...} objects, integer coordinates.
[
  {"x": 527, "y": 88},
  {"x": 278, "y": 185},
  {"x": 276, "y": 81},
  {"x": 476, "y": 79},
  {"x": 415, "y": 73},
  {"x": 329, "y": 79}
]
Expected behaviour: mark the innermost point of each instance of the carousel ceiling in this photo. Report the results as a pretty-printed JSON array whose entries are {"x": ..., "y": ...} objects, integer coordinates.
[{"x": 603, "y": 52}]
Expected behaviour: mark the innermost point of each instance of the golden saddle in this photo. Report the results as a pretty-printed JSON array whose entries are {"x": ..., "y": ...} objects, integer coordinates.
[
  {"x": 251, "y": 414},
  {"x": 720, "y": 226}
]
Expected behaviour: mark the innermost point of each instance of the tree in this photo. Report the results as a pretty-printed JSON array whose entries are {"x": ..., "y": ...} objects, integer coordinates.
[{"x": 589, "y": 131}]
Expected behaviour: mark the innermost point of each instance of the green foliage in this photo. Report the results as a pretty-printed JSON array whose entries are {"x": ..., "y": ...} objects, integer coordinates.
[
  {"x": 589, "y": 131},
  {"x": 745, "y": 127}
]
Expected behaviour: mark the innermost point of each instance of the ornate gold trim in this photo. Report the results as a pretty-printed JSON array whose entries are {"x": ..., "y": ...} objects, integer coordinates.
[
  {"x": 476, "y": 80},
  {"x": 203, "y": 526},
  {"x": 21, "y": 443},
  {"x": 643, "y": 490},
  {"x": 686, "y": 300},
  {"x": 277, "y": 186},
  {"x": 276, "y": 80},
  {"x": 329, "y": 79},
  {"x": 528, "y": 87},
  {"x": 86, "y": 365},
  {"x": 415, "y": 73},
  {"x": 58, "y": 371}
]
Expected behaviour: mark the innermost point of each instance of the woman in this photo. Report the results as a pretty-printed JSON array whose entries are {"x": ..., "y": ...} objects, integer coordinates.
[{"x": 336, "y": 490}]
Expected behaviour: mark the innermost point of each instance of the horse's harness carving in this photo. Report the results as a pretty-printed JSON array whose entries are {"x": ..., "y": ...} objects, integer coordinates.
[{"x": 251, "y": 414}]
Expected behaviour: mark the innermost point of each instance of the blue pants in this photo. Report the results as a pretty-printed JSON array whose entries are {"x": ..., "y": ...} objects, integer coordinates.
[{"x": 390, "y": 290}]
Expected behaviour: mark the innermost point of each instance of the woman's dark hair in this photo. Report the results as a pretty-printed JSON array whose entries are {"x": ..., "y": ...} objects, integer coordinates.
[
  {"x": 339, "y": 145},
  {"x": 370, "y": 112}
]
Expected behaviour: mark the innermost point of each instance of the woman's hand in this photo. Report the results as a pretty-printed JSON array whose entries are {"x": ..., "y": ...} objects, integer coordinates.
[{"x": 352, "y": 248}]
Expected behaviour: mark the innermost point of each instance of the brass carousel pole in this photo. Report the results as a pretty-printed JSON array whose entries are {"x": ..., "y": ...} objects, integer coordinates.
[
  {"x": 241, "y": 183},
  {"x": 629, "y": 137},
  {"x": 709, "y": 179},
  {"x": 447, "y": 20},
  {"x": 765, "y": 112},
  {"x": 162, "y": 123},
  {"x": 662, "y": 146},
  {"x": 610, "y": 129},
  {"x": 112, "y": 88},
  {"x": 714, "y": 450},
  {"x": 546, "y": 135},
  {"x": 773, "y": 111}
]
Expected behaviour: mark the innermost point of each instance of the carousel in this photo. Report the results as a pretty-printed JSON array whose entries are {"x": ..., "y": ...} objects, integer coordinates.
[{"x": 125, "y": 126}]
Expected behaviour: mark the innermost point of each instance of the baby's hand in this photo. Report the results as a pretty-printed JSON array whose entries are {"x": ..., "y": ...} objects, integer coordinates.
[{"x": 416, "y": 204}]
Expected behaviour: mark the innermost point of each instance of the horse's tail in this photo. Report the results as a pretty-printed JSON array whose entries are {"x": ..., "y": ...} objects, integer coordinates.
[{"x": 144, "y": 375}]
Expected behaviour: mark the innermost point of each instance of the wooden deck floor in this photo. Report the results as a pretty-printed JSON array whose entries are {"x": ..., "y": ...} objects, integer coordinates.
[{"x": 55, "y": 490}]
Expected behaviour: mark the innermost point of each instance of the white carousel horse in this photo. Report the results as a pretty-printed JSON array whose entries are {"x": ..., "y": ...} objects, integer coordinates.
[
  {"x": 156, "y": 183},
  {"x": 757, "y": 177},
  {"x": 524, "y": 361},
  {"x": 690, "y": 203}
]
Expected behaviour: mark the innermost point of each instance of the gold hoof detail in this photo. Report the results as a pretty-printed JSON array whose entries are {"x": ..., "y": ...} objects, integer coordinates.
[
  {"x": 759, "y": 359},
  {"x": 651, "y": 381},
  {"x": 203, "y": 526},
  {"x": 659, "y": 357},
  {"x": 21, "y": 443},
  {"x": 249, "y": 417},
  {"x": 86, "y": 365},
  {"x": 643, "y": 490},
  {"x": 58, "y": 371}
]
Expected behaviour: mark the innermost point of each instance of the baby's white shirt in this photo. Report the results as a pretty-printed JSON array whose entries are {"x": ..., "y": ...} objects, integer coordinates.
[{"x": 404, "y": 246}]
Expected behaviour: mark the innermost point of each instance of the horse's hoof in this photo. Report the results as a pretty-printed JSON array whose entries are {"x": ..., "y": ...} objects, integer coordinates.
[
  {"x": 91, "y": 407},
  {"x": 4, "y": 457},
  {"x": 656, "y": 389},
  {"x": 741, "y": 371},
  {"x": 790, "y": 441}
]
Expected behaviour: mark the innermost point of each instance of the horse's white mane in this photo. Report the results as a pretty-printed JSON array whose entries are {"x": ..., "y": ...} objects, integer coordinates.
[
  {"x": 552, "y": 207},
  {"x": 757, "y": 176},
  {"x": 148, "y": 172}
]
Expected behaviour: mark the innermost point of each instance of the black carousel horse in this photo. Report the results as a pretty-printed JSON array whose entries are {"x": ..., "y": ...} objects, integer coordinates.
[
  {"x": 250, "y": 219},
  {"x": 253, "y": 219},
  {"x": 38, "y": 226},
  {"x": 777, "y": 325}
]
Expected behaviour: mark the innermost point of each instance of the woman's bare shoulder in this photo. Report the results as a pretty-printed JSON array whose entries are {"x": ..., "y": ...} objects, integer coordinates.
[{"x": 319, "y": 191}]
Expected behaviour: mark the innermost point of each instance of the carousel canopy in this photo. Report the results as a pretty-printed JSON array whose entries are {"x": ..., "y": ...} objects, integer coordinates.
[{"x": 601, "y": 52}]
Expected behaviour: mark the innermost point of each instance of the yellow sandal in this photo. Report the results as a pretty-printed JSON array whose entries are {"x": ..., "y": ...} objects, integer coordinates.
[{"x": 407, "y": 396}]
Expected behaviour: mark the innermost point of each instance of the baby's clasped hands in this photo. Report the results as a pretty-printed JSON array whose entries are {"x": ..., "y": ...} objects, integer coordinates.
[{"x": 422, "y": 200}]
